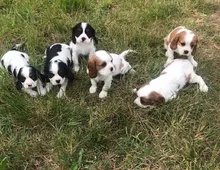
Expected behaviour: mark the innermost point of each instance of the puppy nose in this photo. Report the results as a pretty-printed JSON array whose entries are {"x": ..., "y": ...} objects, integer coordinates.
[
  {"x": 58, "y": 81},
  {"x": 29, "y": 85},
  {"x": 186, "y": 52},
  {"x": 83, "y": 39},
  {"x": 111, "y": 68}
]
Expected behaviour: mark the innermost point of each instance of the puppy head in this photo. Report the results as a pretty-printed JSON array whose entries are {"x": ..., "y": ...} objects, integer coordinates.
[
  {"x": 101, "y": 63},
  {"x": 184, "y": 43},
  {"x": 57, "y": 72},
  {"x": 27, "y": 77},
  {"x": 83, "y": 33},
  {"x": 152, "y": 99}
]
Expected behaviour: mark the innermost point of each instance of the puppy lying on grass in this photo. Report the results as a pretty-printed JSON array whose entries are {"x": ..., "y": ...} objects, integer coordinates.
[{"x": 165, "y": 87}]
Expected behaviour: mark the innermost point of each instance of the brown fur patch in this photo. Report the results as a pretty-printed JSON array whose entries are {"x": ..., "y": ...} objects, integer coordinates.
[
  {"x": 94, "y": 64},
  {"x": 153, "y": 98},
  {"x": 178, "y": 39},
  {"x": 172, "y": 35}
]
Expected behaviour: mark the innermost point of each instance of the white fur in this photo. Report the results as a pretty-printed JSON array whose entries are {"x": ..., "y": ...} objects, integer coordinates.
[
  {"x": 174, "y": 78},
  {"x": 64, "y": 55},
  {"x": 86, "y": 47},
  {"x": 17, "y": 62},
  {"x": 115, "y": 64},
  {"x": 180, "y": 49}
]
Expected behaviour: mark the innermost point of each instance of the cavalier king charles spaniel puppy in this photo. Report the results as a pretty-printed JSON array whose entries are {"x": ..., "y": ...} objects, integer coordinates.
[
  {"x": 83, "y": 40},
  {"x": 58, "y": 67},
  {"x": 183, "y": 42},
  {"x": 103, "y": 66},
  {"x": 28, "y": 78},
  {"x": 165, "y": 87}
]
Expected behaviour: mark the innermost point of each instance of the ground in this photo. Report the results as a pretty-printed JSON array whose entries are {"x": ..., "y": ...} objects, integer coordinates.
[{"x": 82, "y": 131}]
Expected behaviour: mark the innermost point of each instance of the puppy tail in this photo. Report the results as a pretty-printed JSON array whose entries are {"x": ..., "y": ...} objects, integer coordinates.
[
  {"x": 17, "y": 46},
  {"x": 124, "y": 53}
]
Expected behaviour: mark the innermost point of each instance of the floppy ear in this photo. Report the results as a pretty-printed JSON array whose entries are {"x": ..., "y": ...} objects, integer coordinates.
[
  {"x": 154, "y": 98},
  {"x": 73, "y": 35},
  {"x": 92, "y": 67},
  {"x": 18, "y": 85},
  {"x": 44, "y": 79},
  {"x": 173, "y": 44},
  {"x": 70, "y": 74}
]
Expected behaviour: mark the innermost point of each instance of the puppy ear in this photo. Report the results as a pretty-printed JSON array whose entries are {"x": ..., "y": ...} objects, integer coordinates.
[
  {"x": 70, "y": 74},
  {"x": 44, "y": 79},
  {"x": 18, "y": 85},
  {"x": 154, "y": 98},
  {"x": 173, "y": 44},
  {"x": 92, "y": 67},
  {"x": 73, "y": 35}
]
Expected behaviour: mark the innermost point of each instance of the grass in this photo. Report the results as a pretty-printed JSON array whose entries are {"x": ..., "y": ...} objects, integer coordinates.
[{"x": 85, "y": 132}]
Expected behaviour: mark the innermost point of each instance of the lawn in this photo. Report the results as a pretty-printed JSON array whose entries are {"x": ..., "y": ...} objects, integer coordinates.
[{"x": 82, "y": 131}]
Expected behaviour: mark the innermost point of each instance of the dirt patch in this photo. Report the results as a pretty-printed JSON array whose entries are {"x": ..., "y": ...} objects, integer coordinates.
[{"x": 214, "y": 20}]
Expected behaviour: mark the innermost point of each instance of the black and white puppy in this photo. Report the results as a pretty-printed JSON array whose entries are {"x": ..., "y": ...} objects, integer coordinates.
[
  {"x": 83, "y": 42},
  {"x": 57, "y": 67},
  {"x": 27, "y": 77}
]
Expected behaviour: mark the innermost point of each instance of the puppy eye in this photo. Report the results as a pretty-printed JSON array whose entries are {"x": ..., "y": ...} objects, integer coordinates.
[
  {"x": 50, "y": 75},
  {"x": 192, "y": 46},
  {"x": 87, "y": 30},
  {"x": 103, "y": 64},
  {"x": 183, "y": 44},
  {"x": 111, "y": 60}
]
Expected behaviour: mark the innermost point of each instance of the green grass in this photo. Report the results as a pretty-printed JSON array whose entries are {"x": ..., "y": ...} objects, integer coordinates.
[{"x": 85, "y": 132}]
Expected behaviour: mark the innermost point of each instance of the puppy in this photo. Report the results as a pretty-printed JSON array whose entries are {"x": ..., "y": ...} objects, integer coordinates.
[
  {"x": 103, "y": 66},
  {"x": 83, "y": 40},
  {"x": 165, "y": 87},
  {"x": 183, "y": 42},
  {"x": 27, "y": 77},
  {"x": 58, "y": 67}
]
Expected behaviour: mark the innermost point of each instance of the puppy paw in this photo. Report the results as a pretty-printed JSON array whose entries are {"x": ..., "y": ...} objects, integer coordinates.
[
  {"x": 204, "y": 88},
  {"x": 43, "y": 91},
  {"x": 194, "y": 63},
  {"x": 166, "y": 54},
  {"x": 76, "y": 68},
  {"x": 103, "y": 94},
  {"x": 33, "y": 94},
  {"x": 60, "y": 94},
  {"x": 134, "y": 90},
  {"x": 92, "y": 89}
]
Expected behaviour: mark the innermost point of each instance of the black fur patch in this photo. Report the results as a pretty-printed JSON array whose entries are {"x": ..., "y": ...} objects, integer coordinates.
[
  {"x": 77, "y": 30},
  {"x": 20, "y": 77},
  {"x": 9, "y": 69},
  {"x": 2, "y": 61}
]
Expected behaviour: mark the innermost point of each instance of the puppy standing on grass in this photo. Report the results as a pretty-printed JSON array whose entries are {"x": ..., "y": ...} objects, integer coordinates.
[
  {"x": 103, "y": 66},
  {"x": 165, "y": 87},
  {"x": 58, "y": 67},
  {"x": 83, "y": 42},
  {"x": 183, "y": 42},
  {"x": 27, "y": 77}
]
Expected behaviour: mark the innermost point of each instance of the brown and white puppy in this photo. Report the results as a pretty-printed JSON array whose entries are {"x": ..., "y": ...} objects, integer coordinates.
[
  {"x": 182, "y": 41},
  {"x": 165, "y": 87},
  {"x": 103, "y": 66}
]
